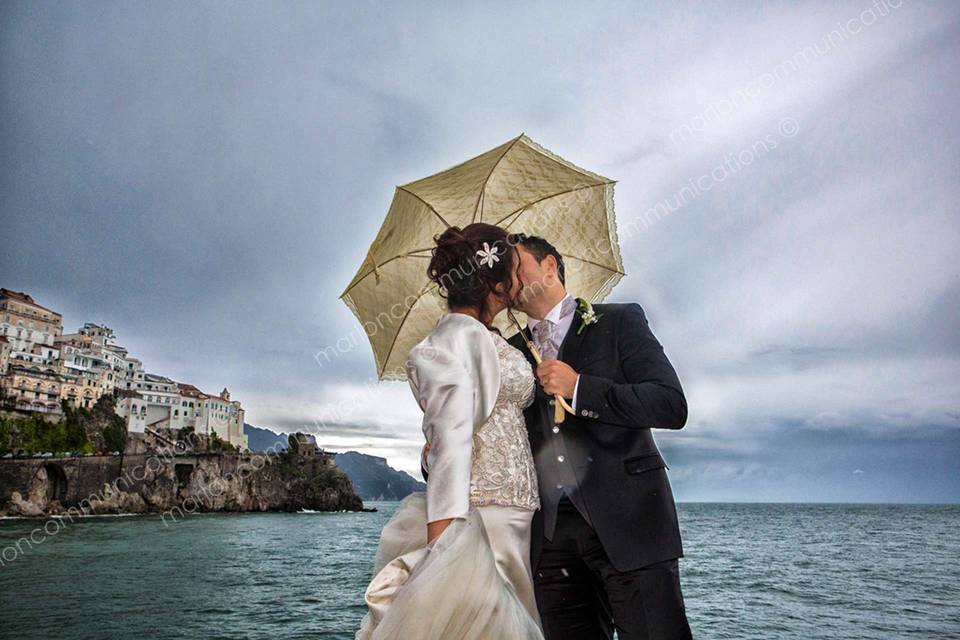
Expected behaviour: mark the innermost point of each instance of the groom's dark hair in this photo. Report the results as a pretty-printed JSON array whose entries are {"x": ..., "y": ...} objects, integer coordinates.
[{"x": 540, "y": 249}]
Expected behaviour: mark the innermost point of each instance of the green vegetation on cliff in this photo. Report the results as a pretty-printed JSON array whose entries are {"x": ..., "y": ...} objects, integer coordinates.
[
  {"x": 80, "y": 430},
  {"x": 219, "y": 444}
]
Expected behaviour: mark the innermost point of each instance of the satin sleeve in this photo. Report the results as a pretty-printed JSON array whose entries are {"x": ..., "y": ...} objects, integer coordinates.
[{"x": 444, "y": 390}]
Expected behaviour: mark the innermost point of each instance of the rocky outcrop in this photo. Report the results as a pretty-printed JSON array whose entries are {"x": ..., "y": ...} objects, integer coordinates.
[
  {"x": 372, "y": 477},
  {"x": 173, "y": 484}
]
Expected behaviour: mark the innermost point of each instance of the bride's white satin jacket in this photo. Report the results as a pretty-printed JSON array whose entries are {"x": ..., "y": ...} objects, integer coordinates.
[{"x": 455, "y": 376}]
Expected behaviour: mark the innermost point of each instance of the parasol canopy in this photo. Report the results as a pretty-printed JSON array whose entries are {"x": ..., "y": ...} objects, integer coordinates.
[{"x": 519, "y": 186}]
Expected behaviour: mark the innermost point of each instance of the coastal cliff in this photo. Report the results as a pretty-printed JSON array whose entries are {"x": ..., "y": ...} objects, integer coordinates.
[
  {"x": 176, "y": 471},
  {"x": 176, "y": 484}
]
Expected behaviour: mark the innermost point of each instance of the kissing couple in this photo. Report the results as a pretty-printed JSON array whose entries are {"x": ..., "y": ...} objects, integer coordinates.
[{"x": 529, "y": 528}]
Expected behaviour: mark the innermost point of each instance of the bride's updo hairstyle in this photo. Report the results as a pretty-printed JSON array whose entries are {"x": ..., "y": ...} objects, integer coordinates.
[{"x": 467, "y": 277}]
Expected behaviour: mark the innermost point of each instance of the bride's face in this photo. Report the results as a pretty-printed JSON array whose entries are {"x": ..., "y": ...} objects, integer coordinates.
[
  {"x": 498, "y": 303},
  {"x": 516, "y": 283}
]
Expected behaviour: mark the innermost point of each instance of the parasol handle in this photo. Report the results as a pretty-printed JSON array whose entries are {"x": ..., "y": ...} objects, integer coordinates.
[{"x": 561, "y": 406}]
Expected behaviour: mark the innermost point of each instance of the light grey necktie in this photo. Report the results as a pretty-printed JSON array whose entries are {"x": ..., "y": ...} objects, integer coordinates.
[{"x": 544, "y": 332}]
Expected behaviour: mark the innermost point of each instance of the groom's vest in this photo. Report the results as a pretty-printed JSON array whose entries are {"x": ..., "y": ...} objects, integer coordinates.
[
  {"x": 554, "y": 464},
  {"x": 556, "y": 475}
]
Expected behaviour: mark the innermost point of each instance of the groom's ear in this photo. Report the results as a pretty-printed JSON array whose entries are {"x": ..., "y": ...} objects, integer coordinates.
[
  {"x": 552, "y": 268},
  {"x": 556, "y": 264}
]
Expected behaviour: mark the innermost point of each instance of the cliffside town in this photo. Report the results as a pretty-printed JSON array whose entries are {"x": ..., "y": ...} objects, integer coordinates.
[
  {"x": 85, "y": 430},
  {"x": 45, "y": 370}
]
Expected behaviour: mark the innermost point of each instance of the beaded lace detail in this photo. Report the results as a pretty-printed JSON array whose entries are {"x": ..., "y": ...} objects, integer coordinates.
[{"x": 502, "y": 470}]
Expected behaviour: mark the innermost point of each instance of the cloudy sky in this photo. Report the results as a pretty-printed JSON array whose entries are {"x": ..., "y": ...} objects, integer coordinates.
[{"x": 205, "y": 177}]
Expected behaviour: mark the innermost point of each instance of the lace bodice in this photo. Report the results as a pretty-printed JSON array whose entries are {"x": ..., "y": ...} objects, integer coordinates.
[{"x": 502, "y": 469}]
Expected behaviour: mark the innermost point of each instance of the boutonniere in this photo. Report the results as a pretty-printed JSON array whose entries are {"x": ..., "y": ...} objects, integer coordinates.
[{"x": 587, "y": 314}]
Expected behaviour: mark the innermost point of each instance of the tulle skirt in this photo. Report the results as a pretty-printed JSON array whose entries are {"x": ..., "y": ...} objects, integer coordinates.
[{"x": 472, "y": 582}]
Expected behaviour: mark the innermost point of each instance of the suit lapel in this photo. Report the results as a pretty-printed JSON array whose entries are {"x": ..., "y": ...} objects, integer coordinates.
[
  {"x": 570, "y": 347},
  {"x": 517, "y": 341}
]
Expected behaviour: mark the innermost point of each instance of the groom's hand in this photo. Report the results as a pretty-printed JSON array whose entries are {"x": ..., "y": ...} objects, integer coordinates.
[{"x": 557, "y": 378}]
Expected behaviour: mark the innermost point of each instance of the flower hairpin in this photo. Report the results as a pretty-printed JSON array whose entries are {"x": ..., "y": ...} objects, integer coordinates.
[{"x": 488, "y": 255}]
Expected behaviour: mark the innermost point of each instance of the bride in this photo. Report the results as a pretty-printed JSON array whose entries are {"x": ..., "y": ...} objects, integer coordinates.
[{"x": 454, "y": 562}]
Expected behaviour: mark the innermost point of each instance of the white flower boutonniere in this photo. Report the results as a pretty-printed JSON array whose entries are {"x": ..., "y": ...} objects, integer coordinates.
[{"x": 587, "y": 314}]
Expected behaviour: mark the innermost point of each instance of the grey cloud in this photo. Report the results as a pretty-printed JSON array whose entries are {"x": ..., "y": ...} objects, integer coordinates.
[
  {"x": 205, "y": 178},
  {"x": 321, "y": 429}
]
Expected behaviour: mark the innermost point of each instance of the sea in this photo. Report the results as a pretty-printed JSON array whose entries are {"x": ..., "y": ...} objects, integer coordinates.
[{"x": 765, "y": 571}]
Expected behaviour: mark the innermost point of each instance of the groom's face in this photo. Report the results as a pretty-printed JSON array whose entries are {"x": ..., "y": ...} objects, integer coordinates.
[{"x": 535, "y": 276}]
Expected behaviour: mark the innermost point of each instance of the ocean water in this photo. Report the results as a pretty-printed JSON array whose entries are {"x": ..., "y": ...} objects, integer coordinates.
[{"x": 764, "y": 571}]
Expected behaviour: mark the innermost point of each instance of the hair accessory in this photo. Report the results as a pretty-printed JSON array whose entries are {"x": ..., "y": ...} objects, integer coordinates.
[{"x": 488, "y": 255}]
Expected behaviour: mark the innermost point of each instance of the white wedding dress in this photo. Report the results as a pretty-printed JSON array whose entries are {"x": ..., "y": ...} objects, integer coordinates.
[{"x": 474, "y": 581}]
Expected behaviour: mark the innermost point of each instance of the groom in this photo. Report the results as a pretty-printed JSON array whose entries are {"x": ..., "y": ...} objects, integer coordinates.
[{"x": 605, "y": 541}]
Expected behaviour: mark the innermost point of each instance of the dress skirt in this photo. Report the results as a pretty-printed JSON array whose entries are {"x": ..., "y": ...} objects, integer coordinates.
[{"x": 473, "y": 582}]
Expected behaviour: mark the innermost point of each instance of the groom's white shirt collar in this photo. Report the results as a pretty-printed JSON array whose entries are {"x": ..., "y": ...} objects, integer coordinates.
[{"x": 562, "y": 323}]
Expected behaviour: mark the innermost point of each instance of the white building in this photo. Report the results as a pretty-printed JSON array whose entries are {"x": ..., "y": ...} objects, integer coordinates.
[
  {"x": 25, "y": 323},
  {"x": 158, "y": 406},
  {"x": 209, "y": 414},
  {"x": 139, "y": 413},
  {"x": 132, "y": 373},
  {"x": 40, "y": 366}
]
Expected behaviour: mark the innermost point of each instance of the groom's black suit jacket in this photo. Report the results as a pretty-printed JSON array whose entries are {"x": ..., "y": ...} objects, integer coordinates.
[{"x": 627, "y": 387}]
